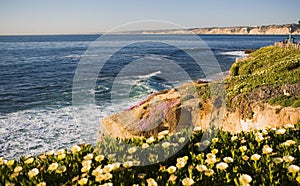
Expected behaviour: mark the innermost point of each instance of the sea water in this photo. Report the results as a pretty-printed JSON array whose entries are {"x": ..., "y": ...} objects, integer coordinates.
[{"x": 36, "y": 83}]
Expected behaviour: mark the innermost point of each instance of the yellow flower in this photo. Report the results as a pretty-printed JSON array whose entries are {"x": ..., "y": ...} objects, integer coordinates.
[
  {"x": 89, "y": 156},
  {"x": 180, "y": 164},
  {"x": 243, "y": 140},
  {"x": 108, "y": 168},
  {"x": 2, "y": 160},
  {"x": 83, "y": 181},
  {"x": 53, "y": 166},
  {"x": 264, "y": 132},
  {"x": 215, "y": 151},
  {"x": 131, "y": 150},
  {"x": 171, "y": 169},
  {"x": 197, "y": 129},
  {"x": 151, "y": 182},
  {"x": 142, "y": 175},
  {"x": 288, "y": 143},
  {"x": 75, "y": 149},
  {"x": 18, "y": 169},
  {"x": 228, "y": 160},
  {"x": 107, "y": 176},
  {"x": 298, "y": 179},
  {"x": 255, "y": 157},
  {"x": 206, "y": 142},
  {"x": 150, "y": 140},
  {"x": 41, "y": 184},
  {"x": 116, "y": 165},
  {"x": 185, "y": 158},
  {"x": 266, "y": 149},
  {"x": 50, "y": 153},
  {"x": 9, "y": 184},
  {"x": 172, "y": 178},
  {"x": 42, "y": 157},
  {"x": 233, "y": 138},
  {"x": 86, "y": 163},
  {"x": 99, "y": 158},
  {"x": 159, "y": 137},
  {"x": 209, "y": 172},
  {"x": 288, "y": 159},
  {"x": 280, "y": 131},
  {"x": 259, "y": 138},
  {"x": 29, "y": 161},
  {"x": 61, "y": 156},
  {"x": 245, "y": 179},
  {"x": 165, "y": 145},
  {"x": 187, "y": 181},
  {"x": 99, "y": 178},
  {"x": 136, "y": 163},
  {"x": 145, "y": 145},
  {"x": 86, "y": 168},
  {"x": 107, "y": 184},
  {"x": 210, "y": 156},
  {"x": 245, "y": 158},
  {"x": 111, "y": 156},
  {"x": 222, "y": 166},
  {"x": 243, "y": 148},
  {"x": 163, "y": 133},
  {"x": 61, "y": 169},
  {"x": 97, "y": 172},
  {"x": 268, "y": 127},
  {"x": 10, "y": 163},
  {"x": 215, "y": 140},
  {"x": 14, "y": 175},
  {"x": 128, "y": 164},
  {"x": 287, "y": 126},
  {"x": 199, "y": 157},
  {"x": 293, "y": 168},
  {"x": 60, "y": 152},
  {"x": 33, "y": 172},
  {"x": 201, "y": 168},
  {"x": 181, "y": 140},
  {"x": 211, "y": 161},
  {"x": 277, "y": 160}
]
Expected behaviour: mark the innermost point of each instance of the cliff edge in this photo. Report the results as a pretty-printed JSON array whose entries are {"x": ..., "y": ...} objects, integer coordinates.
[{"x": 262, "y": 90}]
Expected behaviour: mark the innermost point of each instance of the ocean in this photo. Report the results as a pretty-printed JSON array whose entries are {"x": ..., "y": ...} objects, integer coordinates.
[{"x": 37, "y": 74}]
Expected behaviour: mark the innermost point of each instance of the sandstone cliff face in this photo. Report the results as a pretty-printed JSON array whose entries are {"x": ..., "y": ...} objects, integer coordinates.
[
  {"x": 240, "y": 30},
  {"x": 175, "y": 109}
]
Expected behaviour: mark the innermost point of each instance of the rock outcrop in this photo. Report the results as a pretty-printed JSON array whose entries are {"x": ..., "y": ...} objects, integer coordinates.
[
  {"x": 242, "y": 101},
  {"x": 175, "y": 109}
]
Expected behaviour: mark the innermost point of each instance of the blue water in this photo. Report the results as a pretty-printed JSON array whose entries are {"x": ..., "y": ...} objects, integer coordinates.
[{"x": 37, "y": 72}]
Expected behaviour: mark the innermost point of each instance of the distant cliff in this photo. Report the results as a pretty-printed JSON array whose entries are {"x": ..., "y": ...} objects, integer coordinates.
[{"x": 239, "y": 30}]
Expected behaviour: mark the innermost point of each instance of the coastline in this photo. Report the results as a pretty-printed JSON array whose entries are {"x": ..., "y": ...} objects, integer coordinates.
[{"x": 116, "y": 161}]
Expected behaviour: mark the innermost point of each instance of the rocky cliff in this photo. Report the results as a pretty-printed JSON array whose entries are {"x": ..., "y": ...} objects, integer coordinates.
[
  {"x": 240, "y": 30},
  {"x": 262, "y": 90}
]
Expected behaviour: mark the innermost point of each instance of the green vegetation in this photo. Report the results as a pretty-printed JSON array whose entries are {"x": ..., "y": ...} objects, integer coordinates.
[
  {"x": 261, "y": 157},
  {"x": 267, "y": 67},
  {"x": 285, "y": 101}
]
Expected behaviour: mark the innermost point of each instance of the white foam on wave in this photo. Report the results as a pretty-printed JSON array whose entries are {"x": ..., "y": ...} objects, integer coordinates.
[
  {"x": 34, "y": 131},
  {"x": 79, "y": 56},
  {"x": 149, "y": 75},
  {"x": 238, "y": 53}
]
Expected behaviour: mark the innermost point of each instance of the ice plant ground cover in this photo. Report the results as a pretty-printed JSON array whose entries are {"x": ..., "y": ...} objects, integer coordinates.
[{"x": 260, "y": 157}]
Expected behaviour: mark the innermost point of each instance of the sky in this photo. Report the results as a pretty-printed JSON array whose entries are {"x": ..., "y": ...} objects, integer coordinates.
[{"x": 98, "y": 16}]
